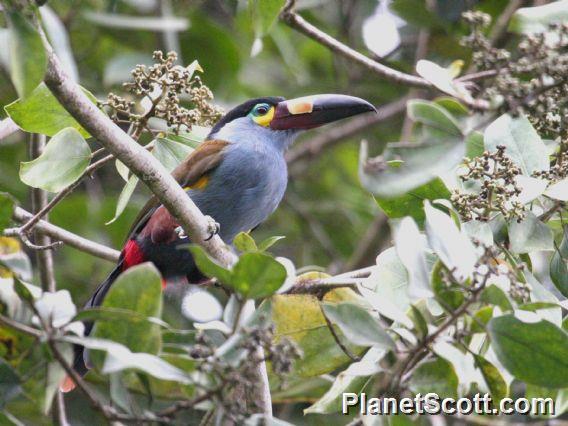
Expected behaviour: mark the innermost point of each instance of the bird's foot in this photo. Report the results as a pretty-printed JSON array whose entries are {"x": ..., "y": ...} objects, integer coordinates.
[
  {"x": 213, "y": 227},
  {"x": 180, "y": 233}
]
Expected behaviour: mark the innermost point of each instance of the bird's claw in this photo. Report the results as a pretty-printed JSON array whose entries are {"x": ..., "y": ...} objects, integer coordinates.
[{"x": 212, "y": 227}]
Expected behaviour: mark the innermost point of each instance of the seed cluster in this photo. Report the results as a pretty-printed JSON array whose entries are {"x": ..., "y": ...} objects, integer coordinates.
[
  {"x": 495, "y": 173},
  {"x": 533, "y": 80},
  {"x": 159, "y": 90},
  {"x": 241, "y": 375}
]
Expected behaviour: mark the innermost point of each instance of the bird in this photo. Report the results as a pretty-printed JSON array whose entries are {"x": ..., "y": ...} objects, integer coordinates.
[{"x": 237, "y": 176}]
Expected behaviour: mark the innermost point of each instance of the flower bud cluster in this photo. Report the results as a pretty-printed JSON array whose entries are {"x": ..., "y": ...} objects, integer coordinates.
[
  {"x": 532, "y": 80},
  {"x": 160, "y": 90},
  {"x": 495, "y": 173}
]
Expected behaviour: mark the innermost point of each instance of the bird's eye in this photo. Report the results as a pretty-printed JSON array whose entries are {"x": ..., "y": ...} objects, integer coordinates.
[{"x": 261, "y": 109}]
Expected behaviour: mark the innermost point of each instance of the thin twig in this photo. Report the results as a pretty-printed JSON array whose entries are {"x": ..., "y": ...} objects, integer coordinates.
[
  {"x": 69, "y": 238},
  {"x": 9, "y": 322},
  {"x": 344, "y": 348}
]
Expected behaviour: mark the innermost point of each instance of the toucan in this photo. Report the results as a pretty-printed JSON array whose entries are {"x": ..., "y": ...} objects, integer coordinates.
[{"x": 238, "y": 176}]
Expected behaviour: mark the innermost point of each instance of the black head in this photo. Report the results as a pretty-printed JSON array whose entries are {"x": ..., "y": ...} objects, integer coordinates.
[{"x": 243, "y": 110}]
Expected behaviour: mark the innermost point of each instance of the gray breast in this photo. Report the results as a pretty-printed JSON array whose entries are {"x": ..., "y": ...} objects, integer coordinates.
[{"x": 244, "y": 190}]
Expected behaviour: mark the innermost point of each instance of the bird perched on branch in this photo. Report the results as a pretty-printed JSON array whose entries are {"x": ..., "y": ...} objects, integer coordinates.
[{"x": 238, "y": 177}]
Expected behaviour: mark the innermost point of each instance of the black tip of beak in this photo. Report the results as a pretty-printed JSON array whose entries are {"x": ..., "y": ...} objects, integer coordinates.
[{"x": 314, "y": 111}]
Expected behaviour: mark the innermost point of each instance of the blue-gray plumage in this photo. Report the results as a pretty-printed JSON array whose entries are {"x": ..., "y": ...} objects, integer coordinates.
[{"x": 238, "y": 176}]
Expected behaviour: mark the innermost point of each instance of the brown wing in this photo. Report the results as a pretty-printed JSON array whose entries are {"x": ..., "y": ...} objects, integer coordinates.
[{"x": 189, "y": 172}]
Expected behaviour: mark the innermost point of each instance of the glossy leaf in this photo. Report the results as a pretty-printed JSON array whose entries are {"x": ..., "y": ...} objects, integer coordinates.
[
  {"x": 523, "y": 144},
  {"x": 493, "y": 379},
  {"x": 358, "y": 325},
  {"x": 559, "y": 265},
  {"x": 436, "y": 376},
  {"x": 138, "y": 289},
  {"x": 353, "y": 379},
  {"x": 558, "y": 190},
  {"x": 420, "y": 164},
  {"x": 244, "y": 242},
  {"x": 7, "y": 205},
  {"x": 433, "y": 115},
  {"x": 411, "y": 249},
  {"x": 412, "y": 203},
  {"x": 208, "y": 266},
  {"x": 537, "y": 19},
  {"x": 269, "y": 242},
  {"x": 452, "y": 245},
  {"x": 257, "y": 275},
  {"x": 170, "y": 153},
  {"x": 41, "y": 113},
  {"x": 530, "y": 235},
  {"x": 299, "y": 318},
  {"x": 533, "y": 352},
  {"x": 65, "y": 158},
  {"x": 28, "y": 56},
  {"x": 124, "y": 197}
]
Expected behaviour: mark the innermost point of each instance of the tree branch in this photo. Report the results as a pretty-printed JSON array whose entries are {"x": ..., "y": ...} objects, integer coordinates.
[
  {"x": 293, "y": 20},
  {"x": 39, "y": 201},
  {"x": 73, "y": 240}
]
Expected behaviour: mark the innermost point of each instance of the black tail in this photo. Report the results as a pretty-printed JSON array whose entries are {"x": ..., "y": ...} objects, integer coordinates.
[{"x": 80, "y": 361}]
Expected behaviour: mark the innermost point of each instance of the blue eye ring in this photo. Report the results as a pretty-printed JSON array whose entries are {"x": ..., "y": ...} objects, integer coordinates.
[{"x": 260, "y": 110}]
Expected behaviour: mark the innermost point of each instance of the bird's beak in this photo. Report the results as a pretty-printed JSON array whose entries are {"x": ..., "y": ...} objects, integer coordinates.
[{"x": 313, "y": 111}]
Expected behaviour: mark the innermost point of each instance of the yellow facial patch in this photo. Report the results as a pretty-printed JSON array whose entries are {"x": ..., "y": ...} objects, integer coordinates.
[
  {"x": 264, "y": 120},
  {"x": 200, "y": 184},
  {"x": 303, "y": 105}
]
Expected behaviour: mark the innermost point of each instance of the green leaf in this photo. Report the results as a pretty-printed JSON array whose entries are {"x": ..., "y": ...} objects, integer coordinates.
[
  {"x": 22, "y": 291},
  {"x": 559, "y": 265},
  {"x": 125, "y": 195},
  {"x": 533, "y": 352},
  {"x": 358, "y": 325},
  {"x": 412, "y": 203},
  {"x": 139, "y": 290},
  {"x": 353, "y": 379},
  {"x": 244, "y": 242},
  {"x": 450, "y": 297},
  {"x": 192, "y": 138},
  {"x": 436, "y": 376},
  {"x": 441, "y": 78},
  {"x": 9, "y": 382},
  {"x": 558, "y": 396},
  {"x": 208, "y": 266},
  {"x": 263, "y": 14},
  {"x": 7, "y": 205},
  {"x": 170, "y": 153},
  {"x": 558, "y": 190},
  {"x": 495, "y": 296},
  {"x": 415, "y": 12},
  {"x": 40, "y": 112},
  {"x": 119, "y": 357},
  {"x": 65, "y": 158},
  {"x": 523, "y": 144},
  {"x": 269, "y": 242},
  {"x": 495, "y": 382},
  {"x": 474, "y": 145},
  {"x": 298, "y": 317},
  {"x": 421, "y": 163},
  {"x": 537, "y": 19},
  {"x": 433, "y": 115},
  {"x": 257, "y": 275},
  {"x": 420, "y": 324},
  {"x": 28, "y": 58},
  {"x": 452, "y": 245},
  {"x": 530, "y": 235}
]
